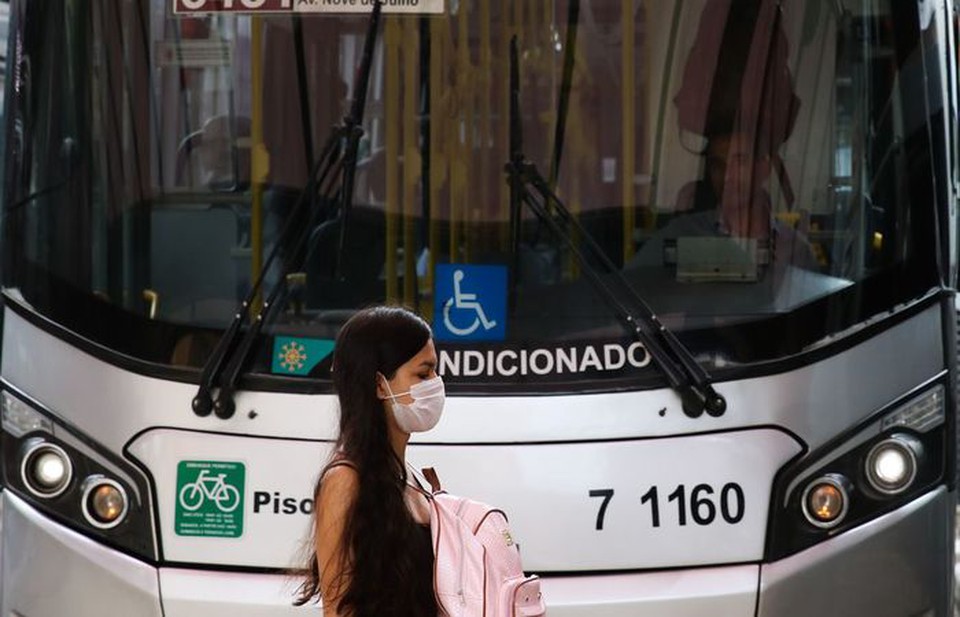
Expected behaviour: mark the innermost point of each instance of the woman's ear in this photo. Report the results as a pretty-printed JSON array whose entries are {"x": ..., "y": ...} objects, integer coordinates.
[{"x": 382, "y": 393}]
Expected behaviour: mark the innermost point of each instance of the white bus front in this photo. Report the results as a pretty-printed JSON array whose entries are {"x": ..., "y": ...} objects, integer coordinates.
[{"x": 157, "y": 149}]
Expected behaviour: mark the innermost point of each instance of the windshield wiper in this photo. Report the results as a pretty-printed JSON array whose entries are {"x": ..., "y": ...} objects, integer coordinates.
[
  {"x": 330, "y": 180},
  {"x": 566, "y": 83},
  {"x": 528, "y": 187}
]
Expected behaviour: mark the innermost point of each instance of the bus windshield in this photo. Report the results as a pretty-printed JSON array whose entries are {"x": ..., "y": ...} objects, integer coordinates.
[{"x": 764, "y": 175}]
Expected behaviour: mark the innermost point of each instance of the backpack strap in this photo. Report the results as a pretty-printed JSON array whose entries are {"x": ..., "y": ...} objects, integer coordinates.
[
  {"x": 424, "y": 477},
  {"x": 431, "y": 475}
]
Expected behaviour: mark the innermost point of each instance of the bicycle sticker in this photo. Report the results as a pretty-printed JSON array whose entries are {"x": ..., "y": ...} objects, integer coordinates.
[
  {"x": 471, "y": 303},
  {"x": 209, "y": 499}
]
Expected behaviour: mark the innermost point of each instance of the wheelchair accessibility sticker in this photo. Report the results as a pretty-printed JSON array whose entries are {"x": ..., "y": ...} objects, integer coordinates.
[
  {"x": 210, "y": 499},
  {"x": 471, "y": 303}
]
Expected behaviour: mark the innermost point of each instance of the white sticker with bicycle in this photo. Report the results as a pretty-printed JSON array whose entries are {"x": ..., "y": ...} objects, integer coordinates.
[
  {"x": 215, "y": 507},
  {"x": 210, "y": 499},
  {"x": 471, "y": 303}
]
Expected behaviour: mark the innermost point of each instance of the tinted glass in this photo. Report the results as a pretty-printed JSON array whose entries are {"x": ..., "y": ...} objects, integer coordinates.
[{"x": 763, "y": 175}]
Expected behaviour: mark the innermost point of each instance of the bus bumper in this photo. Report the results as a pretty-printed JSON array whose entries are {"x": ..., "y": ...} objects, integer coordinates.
[{"x": 702, "y": 592}]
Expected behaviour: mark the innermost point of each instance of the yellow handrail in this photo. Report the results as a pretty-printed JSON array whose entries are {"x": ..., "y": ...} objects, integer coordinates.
[
  {"x": 259, "y": 163},
  {"x": 438, "y": 161},
  {"x": 627, "y": 121},
  {"x": 411, "y": 157},
  {"x": 392, "y": 151},
  {"x": 503, "y": 140},
  {"x": 483, "y": 82}
]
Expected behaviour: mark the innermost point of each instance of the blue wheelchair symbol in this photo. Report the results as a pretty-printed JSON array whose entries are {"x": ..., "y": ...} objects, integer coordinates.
[{"x": 471, "y": 303}]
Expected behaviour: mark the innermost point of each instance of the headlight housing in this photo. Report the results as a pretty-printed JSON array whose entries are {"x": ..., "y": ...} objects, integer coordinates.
[
  {"x": 70, "y": 478},
  {"x": 892, "y": 459}
]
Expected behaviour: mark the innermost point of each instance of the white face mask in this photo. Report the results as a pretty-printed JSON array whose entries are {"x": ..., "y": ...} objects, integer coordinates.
[{"x": 425, "y": 410}]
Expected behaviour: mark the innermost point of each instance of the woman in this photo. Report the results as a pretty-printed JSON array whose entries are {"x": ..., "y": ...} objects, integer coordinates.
[{"x": 372, "y": 549}]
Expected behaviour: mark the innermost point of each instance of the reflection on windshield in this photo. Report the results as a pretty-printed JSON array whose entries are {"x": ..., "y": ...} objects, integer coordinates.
[
  {"x": 742, "y": 163},
  {"x": 737, "y": 95}
]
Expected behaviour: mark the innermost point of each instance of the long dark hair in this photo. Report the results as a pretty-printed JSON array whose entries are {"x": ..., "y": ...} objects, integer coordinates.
[{"x": 383, "y": 575}]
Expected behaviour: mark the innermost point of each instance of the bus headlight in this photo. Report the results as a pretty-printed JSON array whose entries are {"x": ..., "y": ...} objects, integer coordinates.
[
  {"x": 72, "y": 479},
  {"x": 825, "y": 500},
  {"x": 891, "y": 465},
  {"x": 900, "y": 453},
  {"x": 46, "y": 469},
  {"x": 104, "y": 502}
]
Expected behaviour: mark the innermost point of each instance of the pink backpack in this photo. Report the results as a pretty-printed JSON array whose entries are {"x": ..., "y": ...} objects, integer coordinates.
[{"x": 477, "y": 569}]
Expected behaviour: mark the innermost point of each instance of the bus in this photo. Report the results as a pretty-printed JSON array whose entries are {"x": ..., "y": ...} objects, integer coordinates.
[{"x": 690, "y": 268}]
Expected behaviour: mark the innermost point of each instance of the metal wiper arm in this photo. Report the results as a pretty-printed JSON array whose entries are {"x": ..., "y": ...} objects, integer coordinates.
[
  {"x": 682, "y": 370},
  {"x": 335, "y": 162},
  {"x": 563, "y": 100},
  {"x": 203, "y": 400},
  {"x": 528, "y": 187}
]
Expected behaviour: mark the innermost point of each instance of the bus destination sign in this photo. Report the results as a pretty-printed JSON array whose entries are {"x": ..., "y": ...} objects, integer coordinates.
[{"x": 418, "y": 7}]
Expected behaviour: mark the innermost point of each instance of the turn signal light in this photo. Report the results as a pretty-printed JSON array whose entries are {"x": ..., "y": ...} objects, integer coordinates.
[
  {"x": 825, "y": 500},
  {"x": 104, "y": 502}
]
